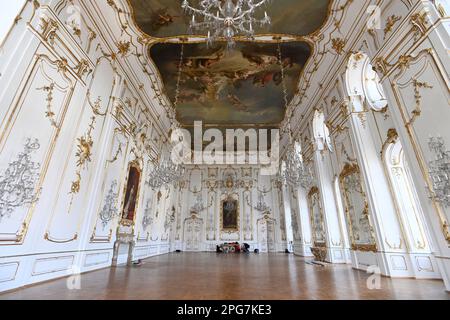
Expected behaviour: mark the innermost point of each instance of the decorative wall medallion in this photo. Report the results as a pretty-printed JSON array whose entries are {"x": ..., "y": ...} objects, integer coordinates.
[
  {"x": 109, "y": 210},
  {"x": 18, "y": 182}
]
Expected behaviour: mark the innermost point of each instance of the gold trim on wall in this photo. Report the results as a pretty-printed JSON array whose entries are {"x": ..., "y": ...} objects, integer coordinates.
[{"x": 350, "y": 169}]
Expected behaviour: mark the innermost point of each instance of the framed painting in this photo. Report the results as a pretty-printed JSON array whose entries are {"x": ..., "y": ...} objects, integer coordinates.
[
  {"x": 230, "y": 215},
  {"x": 132, "y": 186}
]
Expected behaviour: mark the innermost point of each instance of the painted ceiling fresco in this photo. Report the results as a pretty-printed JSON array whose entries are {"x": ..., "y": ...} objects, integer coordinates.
[
  {"x": 235, "y": 87},
  {"x": 239, "y": 86},
  {"x": 165, "y": 18}
]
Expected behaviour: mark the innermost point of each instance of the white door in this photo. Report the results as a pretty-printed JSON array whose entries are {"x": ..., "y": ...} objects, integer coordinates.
[
  {"x": 266, "y": 235},
  {"x": 193, "y": 234}
]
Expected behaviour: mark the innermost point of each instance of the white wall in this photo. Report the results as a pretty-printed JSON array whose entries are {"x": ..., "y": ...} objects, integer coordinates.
[
  {"x": 76, "y": 111},
  {"x": 412, "y": 48},
  {"x": 208, "y": 183},
  {"x": 10, "y": 10}
]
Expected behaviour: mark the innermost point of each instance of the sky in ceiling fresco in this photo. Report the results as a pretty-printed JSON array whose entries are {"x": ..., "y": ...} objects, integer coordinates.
[
  {"x": 165, "y": 18},
  {"x": 241, "y": 86}
]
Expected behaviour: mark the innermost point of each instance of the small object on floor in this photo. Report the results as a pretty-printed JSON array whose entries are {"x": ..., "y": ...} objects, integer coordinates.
[
  {"x": 318, "y": 263},
  {"x": 137, "y": 263},
  {"x": 178, "y": 251},
  {"x": 256, "y": 251},
  {"x": 286, "y": 251}
]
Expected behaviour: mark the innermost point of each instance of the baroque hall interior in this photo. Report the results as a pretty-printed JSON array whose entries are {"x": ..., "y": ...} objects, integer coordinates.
[{"x": 225, "y": 149}]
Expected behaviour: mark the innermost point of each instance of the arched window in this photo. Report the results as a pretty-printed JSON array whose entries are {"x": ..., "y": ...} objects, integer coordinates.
[
  {"x": 321, "y": 131},
  {"x": 405, "y": 195},
  {"x": 363, "y": 81}
]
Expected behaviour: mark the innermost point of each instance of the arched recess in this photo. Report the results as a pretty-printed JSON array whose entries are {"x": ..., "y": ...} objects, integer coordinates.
[
  {"x": 408, "y": 206},
  {"x": 341, "y": 213},
  {"x": 321, "y": 131},
  {"x": 363, "y": 81}
]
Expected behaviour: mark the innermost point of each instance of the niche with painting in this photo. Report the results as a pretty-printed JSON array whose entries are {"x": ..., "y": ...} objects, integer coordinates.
[
  {"x": 316, "y": 215},
  {"x": 357, "y": 209}
]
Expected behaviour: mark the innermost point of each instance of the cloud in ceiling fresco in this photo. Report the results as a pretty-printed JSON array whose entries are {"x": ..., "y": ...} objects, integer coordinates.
[
  {"x": 165, "y": 18},
  {"x": 241, "y": 86}
]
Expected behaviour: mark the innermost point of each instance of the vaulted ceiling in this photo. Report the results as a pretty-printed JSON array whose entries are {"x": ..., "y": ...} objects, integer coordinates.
[{"x": 237, "y": 88}]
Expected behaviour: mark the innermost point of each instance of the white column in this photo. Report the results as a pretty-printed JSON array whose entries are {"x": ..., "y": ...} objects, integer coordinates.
[
  {"x": 304, "y": 247},
  {"x": 392, "y": 257}
]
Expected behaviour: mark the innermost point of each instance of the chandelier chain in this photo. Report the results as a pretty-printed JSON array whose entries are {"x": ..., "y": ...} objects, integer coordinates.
[{"x": 180, "y": 70}]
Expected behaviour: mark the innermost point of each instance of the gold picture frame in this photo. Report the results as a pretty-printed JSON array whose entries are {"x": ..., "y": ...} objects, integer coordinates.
[
  {"x": 232, "y": 226},
  {"x": 128, "y": 193}
]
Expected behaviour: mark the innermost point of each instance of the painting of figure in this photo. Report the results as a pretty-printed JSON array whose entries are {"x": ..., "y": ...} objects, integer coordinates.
[
  {"x": 230, "y": 214},
  {"x": 131, "y": 193},
  {"x": 239, "y": 86}
]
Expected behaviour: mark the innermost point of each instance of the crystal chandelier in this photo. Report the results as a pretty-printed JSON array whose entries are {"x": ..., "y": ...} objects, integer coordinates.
[
  {"x": 167, "y": 172},
  {"x": 440, "y": 171},
  {"x": 295, "y": 173},
  {"x": 199, "y": 206},
  {"x": 226, "y": 18},
  {"x": 164, "y": 173},
  {"x": 261, "y": 205}
]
